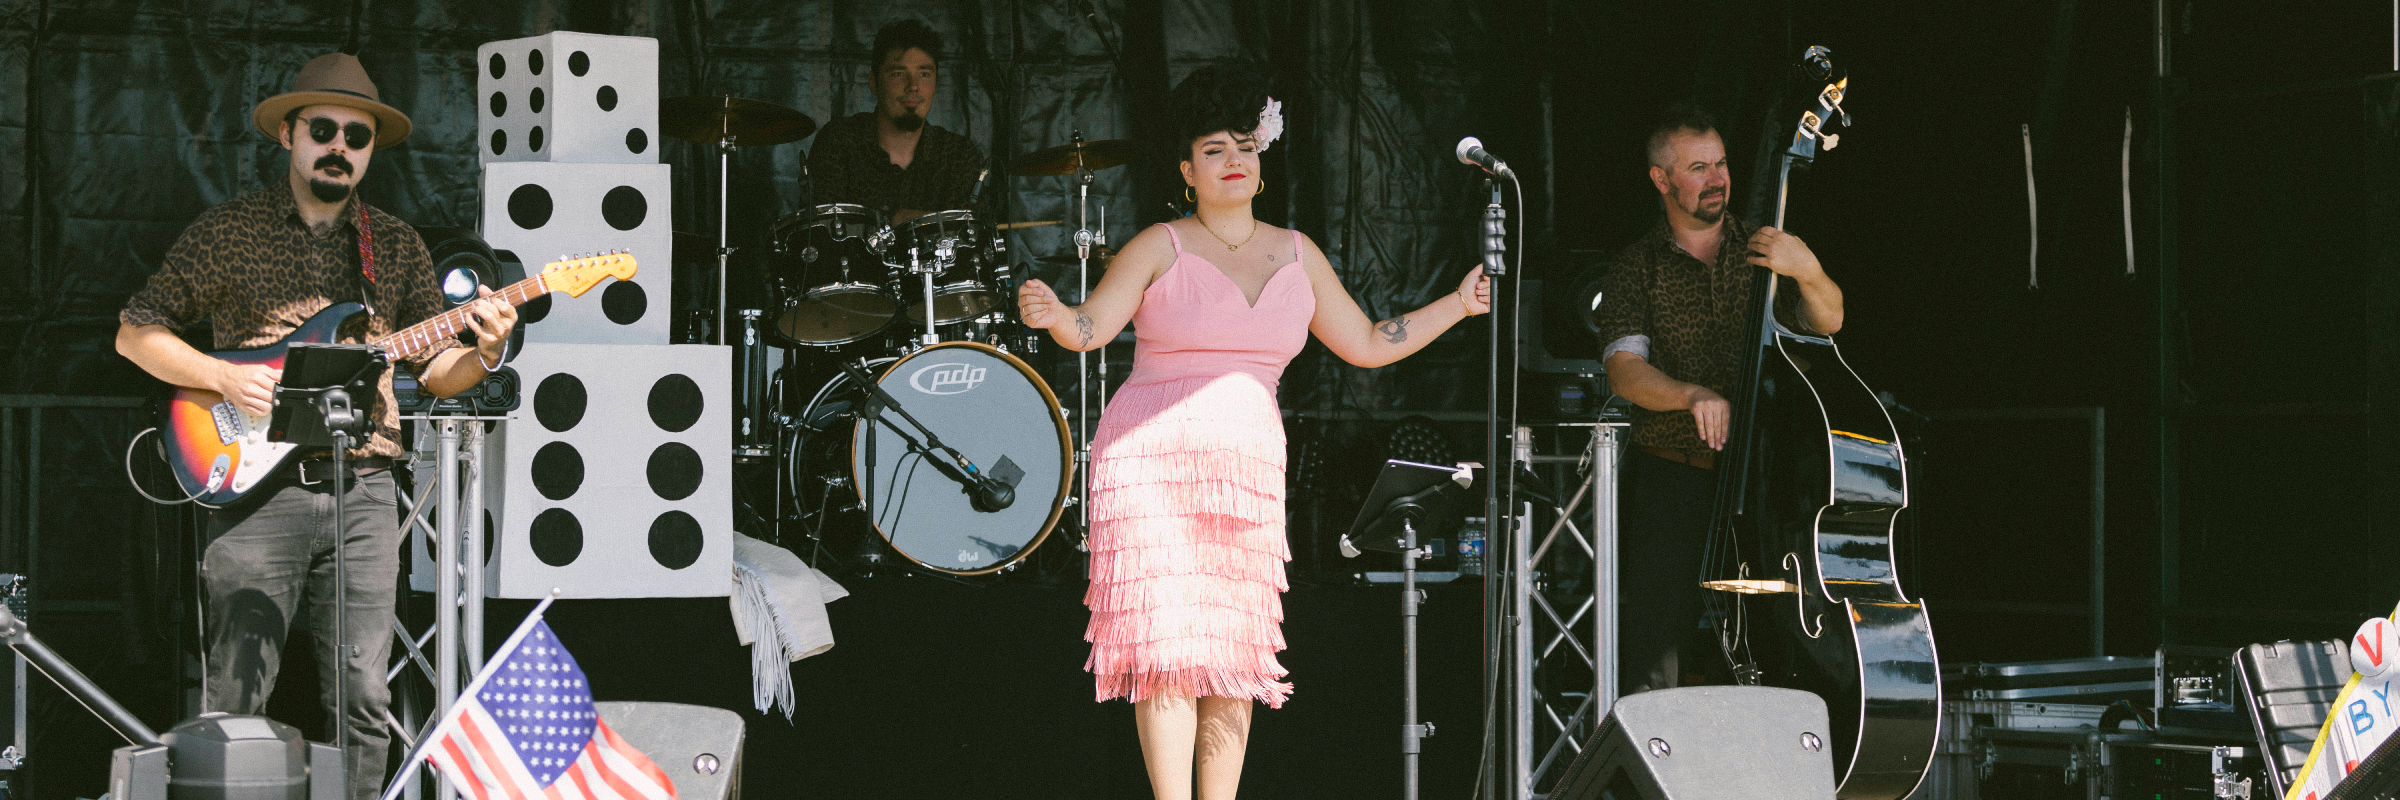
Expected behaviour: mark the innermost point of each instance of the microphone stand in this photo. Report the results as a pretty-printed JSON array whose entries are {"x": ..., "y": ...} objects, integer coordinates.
[
  {"x": 1504, "y": 586},
  {"x": 965, "y": 472}
]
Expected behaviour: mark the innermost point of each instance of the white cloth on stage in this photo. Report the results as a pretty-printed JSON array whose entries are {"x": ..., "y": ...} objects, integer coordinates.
[{"x": 779, "y": 610}]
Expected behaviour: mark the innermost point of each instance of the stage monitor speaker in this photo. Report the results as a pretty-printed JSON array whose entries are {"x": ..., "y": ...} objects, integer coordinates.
[
  {"x": 699, "y": 747},
  {"x": 1706, "y": 743}
]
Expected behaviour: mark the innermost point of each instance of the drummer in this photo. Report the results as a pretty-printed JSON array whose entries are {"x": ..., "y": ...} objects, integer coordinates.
[{"x": 890, "y": 159}]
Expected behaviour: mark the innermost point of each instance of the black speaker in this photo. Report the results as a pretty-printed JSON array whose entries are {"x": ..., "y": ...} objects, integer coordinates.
[
  {"x": 699, "y": 747},
  {"x": 1706, "y": 743}
]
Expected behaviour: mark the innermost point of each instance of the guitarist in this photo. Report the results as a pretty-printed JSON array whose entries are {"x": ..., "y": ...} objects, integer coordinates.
[
  {"x": 252, "y": 270},
  {"x": 1674, "y": 313}
]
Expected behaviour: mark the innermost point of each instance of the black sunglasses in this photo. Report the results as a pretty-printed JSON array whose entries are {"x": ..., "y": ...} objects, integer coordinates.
[{"x": 356, "y": 135}]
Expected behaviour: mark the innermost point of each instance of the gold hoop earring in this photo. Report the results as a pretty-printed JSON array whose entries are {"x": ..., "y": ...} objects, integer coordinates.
[
  {"x": 1262, "y": 189},
  {"x": 1189, "y": 197}
]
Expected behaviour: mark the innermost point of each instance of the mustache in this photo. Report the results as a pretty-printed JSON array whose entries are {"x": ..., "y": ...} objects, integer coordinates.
[{"x": 334, "y": 163}]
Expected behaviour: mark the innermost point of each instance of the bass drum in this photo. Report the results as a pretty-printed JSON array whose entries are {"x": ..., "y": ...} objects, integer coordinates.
[{"x": 982, "y": 402}]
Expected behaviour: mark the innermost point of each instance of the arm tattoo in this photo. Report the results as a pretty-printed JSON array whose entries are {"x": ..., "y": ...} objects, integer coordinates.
[
  {"x": 1083, "y": 327},
  {"x": 1395, "y": 330}
]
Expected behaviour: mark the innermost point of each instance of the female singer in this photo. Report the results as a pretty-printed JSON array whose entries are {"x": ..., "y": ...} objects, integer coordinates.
[{"x": 1187, "y": 539}]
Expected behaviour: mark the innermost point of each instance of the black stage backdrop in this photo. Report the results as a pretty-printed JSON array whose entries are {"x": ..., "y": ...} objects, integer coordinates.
[{"x": 2263, "y": 517}]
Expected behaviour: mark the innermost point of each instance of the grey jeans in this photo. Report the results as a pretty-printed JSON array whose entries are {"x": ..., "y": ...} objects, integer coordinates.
[{"x": 264, "y": 561}]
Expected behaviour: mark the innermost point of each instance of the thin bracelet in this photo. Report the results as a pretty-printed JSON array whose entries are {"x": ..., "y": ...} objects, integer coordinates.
[
  {"x": 489, "y": 367},
  {"x": 1463, "y": 305}
]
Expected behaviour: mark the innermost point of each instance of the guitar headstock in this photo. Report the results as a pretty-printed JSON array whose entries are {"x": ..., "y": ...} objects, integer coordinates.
[
  {"x": 578, "y": 275},
  {"x": 1817, "y": 61}
]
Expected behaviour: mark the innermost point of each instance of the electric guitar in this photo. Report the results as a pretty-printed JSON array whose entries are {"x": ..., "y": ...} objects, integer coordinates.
[
  {"x": 1816, "y": 480},
  {"x": 218, "y": 453}
]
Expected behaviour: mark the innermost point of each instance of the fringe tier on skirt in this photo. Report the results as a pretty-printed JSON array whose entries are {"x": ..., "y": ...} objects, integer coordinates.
[{"x": 1188, "y": 542}]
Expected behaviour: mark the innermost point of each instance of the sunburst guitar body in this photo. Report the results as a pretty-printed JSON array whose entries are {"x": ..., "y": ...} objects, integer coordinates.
[{"x": 218, "y": 453}]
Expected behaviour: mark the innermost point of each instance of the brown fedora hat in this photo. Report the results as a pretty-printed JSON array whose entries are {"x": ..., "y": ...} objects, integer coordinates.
[{"x": 333, "y": 79}]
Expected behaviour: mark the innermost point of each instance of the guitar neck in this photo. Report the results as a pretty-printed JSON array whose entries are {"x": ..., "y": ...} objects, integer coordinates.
[{"x": 416, "y": 338}]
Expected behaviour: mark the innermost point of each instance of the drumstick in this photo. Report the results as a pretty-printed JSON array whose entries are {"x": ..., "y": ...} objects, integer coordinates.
[{"x": 1034, "y": 224}]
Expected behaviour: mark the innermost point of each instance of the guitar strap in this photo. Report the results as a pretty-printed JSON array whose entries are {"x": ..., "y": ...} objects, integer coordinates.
[{"x": 366, "y": 255}]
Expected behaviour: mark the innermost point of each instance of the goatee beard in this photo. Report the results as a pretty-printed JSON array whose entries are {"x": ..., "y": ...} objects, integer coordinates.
[
  {"x": 907, "y": 122},
  {"x": 328, "y": 192},
  {"x": 1708, "y": 217}
]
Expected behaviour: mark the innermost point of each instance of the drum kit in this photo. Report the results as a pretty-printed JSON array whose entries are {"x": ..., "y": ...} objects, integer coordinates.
[{"x": 901, "y": 403}]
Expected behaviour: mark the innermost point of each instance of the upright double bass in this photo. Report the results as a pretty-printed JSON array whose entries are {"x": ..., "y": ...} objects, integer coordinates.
[{"x": 1801, "y": 533}]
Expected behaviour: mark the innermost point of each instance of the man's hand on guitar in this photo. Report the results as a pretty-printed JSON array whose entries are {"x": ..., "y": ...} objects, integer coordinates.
[
  {"x": 250, "y": 387},
  {"x": 1712, "y": 414},
  {"x": 491, "y": 318}
]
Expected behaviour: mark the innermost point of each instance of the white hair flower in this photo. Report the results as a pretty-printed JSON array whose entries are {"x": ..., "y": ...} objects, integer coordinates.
[{"x": 1270, "y": 124}]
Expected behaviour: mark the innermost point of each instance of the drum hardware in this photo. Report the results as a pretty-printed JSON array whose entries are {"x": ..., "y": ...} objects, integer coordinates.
[
  {"x": 729, "y": 122},
  {"x": 755, "y": 431}
]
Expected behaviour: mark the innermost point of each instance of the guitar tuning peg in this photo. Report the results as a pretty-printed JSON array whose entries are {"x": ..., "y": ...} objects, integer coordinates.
[{"x": 1832, "y": 140}]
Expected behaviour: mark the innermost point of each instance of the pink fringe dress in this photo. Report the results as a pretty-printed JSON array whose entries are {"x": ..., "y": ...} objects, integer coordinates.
[{"x": 1187, "y": 540}]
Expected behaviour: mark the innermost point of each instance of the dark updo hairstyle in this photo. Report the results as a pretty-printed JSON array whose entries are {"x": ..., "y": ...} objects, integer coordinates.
[
  {"x": 899, "y": 37},
  {"x": 1217, "y": 97}
]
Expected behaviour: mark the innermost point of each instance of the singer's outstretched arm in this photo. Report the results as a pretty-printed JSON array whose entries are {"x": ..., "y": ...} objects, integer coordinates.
[
  {"x": 1346, "y": 331},
  {"x": 1111, "y": 303}
]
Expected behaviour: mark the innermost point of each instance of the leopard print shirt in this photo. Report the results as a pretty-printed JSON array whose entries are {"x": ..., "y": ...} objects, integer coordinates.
[
  {"x": 1695, "y": 316},
  {"x": 251, "y": 271}
]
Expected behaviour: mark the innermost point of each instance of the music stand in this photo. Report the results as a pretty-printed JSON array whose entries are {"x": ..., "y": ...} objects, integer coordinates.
[
  {"x": 325, "y": 378},
  {"x": 1409, "y": 500}
]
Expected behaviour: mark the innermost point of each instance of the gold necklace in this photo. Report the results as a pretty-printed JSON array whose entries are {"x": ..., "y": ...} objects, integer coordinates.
[{"x": 1231, "y": 246}]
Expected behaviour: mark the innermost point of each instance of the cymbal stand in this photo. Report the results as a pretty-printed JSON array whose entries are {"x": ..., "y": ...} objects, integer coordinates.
[
  {"x": 1086, "y": 237},
  {"x": 724, "y": 248}
]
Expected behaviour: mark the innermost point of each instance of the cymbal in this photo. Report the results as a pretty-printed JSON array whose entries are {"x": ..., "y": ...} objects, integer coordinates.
[
  {"x": 1099, "y": 255},
  {"x": 1063, "y": 159},
  {"x": 1033, "y": 224},
  {"x": 746, "y": 122}
]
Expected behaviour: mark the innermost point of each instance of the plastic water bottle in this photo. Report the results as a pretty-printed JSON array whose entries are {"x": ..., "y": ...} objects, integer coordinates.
[{"x": 1470, "y": 547}]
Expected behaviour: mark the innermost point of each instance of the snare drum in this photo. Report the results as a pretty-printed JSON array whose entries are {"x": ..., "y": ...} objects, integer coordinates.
[
  {"x": 961, "y": 255},
  {"x": 832, "y": 284}
]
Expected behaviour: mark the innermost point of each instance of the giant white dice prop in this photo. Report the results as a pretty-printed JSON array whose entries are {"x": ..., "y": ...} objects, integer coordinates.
[
  {"x": 568, "y": 97},
  {"x": 616, "y": 474},
  {"x": 542, "y": 211}
]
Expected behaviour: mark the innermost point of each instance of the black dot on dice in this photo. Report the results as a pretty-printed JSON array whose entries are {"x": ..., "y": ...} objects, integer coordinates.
[
  {"x": 608, "y": 98},
  {"x": 557, "y": 470},
  {"x": 499, "y": 66},
  {"x": 534, "y": 101},
  {"x": 624, "y": 207},
  {"x": 499, "y": 104},
  {"x": 557, "y": 537},
  {"x": 529, "y": 205},
  {"x": 675, "y": 403},
  {"x": 636, "y": 141},
  {"x": 579, "y": 63},
  {"x": 674, "y": 471},
  {"x": 624, "y": 302},
  {"x": 675, "y": 540},
  {"x": 533, "y": 310},
  {"x": 533, "y": 61},
  {"x": 499, "y": 142},
  {"x": 559, "y": 402},
  {"x": 533, "y": 139}
]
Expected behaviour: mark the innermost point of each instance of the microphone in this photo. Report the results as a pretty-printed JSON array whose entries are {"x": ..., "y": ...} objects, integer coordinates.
[
  {"x": 1471, "y": 153},
  {"x": 991, "y": 495}
]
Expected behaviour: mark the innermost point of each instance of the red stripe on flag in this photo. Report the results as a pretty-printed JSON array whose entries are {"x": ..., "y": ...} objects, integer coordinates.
[
  {"x": 640, "y": 762},
  {"x": 491, "y": 760},
  {"x": 592, "y": 756},
  {"x": 582, "y": 788},
  {"x": 458, "y": 761}
]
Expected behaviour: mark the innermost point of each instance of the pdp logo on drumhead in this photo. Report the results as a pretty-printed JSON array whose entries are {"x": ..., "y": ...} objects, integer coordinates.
[{"x": 947, "y": 378}]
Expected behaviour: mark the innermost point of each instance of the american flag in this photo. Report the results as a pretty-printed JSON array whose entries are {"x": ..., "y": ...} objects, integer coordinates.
[{"x": 526, "y": 728}]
